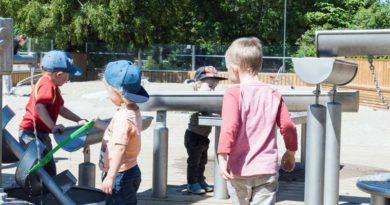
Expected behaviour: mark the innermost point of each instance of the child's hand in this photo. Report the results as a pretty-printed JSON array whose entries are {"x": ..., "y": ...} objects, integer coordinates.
[
  {"x": 107, "y": 184},
  {"x": 288, "y": 161},
  {"x": 223, "y": 168},
  {"x": 82, "y": 122},
  {"x": 58, "y": 128}
]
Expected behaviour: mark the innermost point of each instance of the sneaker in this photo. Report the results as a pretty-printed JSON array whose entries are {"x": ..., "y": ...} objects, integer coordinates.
[
  {"x": 206, "y": 186},
  {"x": 195, "y": 189}
]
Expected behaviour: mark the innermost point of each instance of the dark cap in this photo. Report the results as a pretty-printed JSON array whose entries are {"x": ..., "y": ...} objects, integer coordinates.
[{"x": 207, "y": 72}]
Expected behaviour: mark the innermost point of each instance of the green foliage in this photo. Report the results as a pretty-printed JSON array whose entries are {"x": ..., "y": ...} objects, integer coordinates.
[
  {"x": 349, "y": 14},
  {"x": 204, "y": 23}
]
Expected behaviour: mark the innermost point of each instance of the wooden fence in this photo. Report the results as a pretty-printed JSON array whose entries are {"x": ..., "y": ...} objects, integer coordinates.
[{"x": 362, "y": 82}]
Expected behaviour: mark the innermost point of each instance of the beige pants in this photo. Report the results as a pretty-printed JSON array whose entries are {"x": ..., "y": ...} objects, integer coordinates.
[{"x": 253, "y": 190}]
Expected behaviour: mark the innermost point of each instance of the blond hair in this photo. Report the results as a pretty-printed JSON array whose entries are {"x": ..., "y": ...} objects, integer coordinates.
[
  {"x": 117, "y": 91},
  {"x": 245, "y": 53},
  {"x": 22, "y": 37}
]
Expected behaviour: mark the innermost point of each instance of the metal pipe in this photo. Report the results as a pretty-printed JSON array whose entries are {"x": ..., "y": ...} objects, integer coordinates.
[
  {"x": 379, "y": 200},
  {"x": 296, "y": 101},
  {"x": 284, "y": 35},
  {"x": 332, "y": 154},
  {"x": 333, "y": 92},
  {"x": 193, "y": 61},
  {"x": 18, "y": 150},
  {"x": 87, "y": 170},
  {"x": 1, "y": 130},
  {"x": 6, "y": 45},
  {"x": 353, "y": 42},
  {"x": 315, "y": 147},
  {"x": 303, "y": 144},
  {"x": 87, "y": 174},
  {"x": 317, "y": 93},
  {"x": 6, "y": 52},
  {"x": 220, "y": 187},
  {"x": 160, "y": 156}
]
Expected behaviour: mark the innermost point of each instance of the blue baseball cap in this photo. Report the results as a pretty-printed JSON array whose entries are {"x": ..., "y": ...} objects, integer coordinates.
[
  {"x": 54, "y": 61},
  {"x": 124, "y": 76}
]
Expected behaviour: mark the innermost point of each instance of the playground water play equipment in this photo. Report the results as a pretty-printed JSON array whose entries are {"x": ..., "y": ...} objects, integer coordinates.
[
  {"x": 163, "y": 101},
  {"x": 324, "y": 122}
]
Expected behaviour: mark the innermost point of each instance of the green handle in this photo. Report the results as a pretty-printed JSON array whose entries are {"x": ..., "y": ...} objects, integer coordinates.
[{"x": 49, "y": 155}]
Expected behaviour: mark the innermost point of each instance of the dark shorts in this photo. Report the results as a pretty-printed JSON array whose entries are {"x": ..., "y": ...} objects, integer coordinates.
[{"x": 27, "y": 136}]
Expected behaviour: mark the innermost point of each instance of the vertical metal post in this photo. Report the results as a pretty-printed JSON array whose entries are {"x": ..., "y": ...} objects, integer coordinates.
[
  {"x": 315, "y": 147},
  {"x": 6, "y": 62},
  {"x": 193, "y": 62},
  {"x": 51, "y": 44},
  {"x": 87, "y": 170},
  {"x": 332, "y": 153},
  {"x": 284, "y": 35},
  {"x": 6, "y": 45},
  {"x": 379, "y": 200},
  {"x": 303, "y": 145},
  {"x": 139, "y": 58},
  {"x": 29, "y": 45},
  {"x": 220, "y": 187},
  {"x": 160, "y": 156},
  {"x": 1, "y": 130}
]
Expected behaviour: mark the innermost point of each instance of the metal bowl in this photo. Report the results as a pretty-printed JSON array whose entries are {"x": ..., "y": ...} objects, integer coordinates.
[{"x": 89, "y": 137}]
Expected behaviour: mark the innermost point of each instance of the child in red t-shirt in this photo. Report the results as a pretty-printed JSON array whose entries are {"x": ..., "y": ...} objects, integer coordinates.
[{"x": 46, "y": 103}]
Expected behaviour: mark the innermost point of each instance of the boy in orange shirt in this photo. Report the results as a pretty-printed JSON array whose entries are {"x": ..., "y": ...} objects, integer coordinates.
[{"x": 122, "y": 139}]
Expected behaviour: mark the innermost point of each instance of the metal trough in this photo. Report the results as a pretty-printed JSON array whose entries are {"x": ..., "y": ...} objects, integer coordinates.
[
  {"x": 30, "y": 59},
  {"x": 353, "y": 43},
  {"x": 296, "y": 101},
  {"x": 89, "y": 137},
  {"x": 325, "y": 70}
]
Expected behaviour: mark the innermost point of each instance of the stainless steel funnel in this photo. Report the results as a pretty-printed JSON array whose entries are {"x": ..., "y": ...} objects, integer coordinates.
[{"x": 325, "y": 70}]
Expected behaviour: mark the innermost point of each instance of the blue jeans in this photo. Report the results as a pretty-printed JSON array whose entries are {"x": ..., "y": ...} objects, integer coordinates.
[{"x": 125, "y": 187}]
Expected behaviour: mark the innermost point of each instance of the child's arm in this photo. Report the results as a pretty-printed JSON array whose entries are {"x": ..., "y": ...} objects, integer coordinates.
[
  {"x": 45, "y": 117},
  {"x": 288, "y": 130},
  {"x": 229, "y": 128},
  {"x": 115, "y": 163},
  {"x": 67, "y": 114},
  {"x": 230, "y": 121}
]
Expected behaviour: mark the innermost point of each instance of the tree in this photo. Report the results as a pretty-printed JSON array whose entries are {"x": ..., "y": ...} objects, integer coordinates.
[
  {"x": 349, "y": 14},
  {"x": 71, "y": 23}
]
